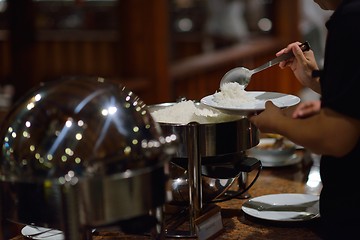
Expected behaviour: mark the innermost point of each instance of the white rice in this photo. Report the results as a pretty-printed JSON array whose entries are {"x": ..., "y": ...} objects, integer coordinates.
[
  {"x": 233, "y": 95},
  {"x": 187, "y": 111}
]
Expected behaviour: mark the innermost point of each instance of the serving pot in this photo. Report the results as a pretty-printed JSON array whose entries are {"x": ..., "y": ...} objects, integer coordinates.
[
  {"x": 219, "y": 146},
  {"x": 79, "y": 153}
]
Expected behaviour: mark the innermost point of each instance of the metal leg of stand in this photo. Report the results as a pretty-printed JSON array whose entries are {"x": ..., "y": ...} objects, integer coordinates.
[
  {"x": 194, "y": 176},
  {"x": 194, "y": 184},
  {"x": 158, "y": 233},
  {"x": 242, "y": 184}
]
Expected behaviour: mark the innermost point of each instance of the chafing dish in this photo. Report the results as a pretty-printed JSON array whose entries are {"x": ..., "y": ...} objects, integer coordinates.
[{"x": 80, "y": 153}]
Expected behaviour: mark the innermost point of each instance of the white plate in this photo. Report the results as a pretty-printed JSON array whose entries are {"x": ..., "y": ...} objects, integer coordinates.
[
  {"x": 279, "y": 99},
  {"x": 265, "y": 151},
  {"x": 49, "y": 234},
  {"x": 287, "y": 207},
  {"x": 294, "y": 159}
]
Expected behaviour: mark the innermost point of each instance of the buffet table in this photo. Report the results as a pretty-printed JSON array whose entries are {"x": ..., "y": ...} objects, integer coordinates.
[
  {"x": 288, "y": 179},
  {"x": 293, "y": 178}
]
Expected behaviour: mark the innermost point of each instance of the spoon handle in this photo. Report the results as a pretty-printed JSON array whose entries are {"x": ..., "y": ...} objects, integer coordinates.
[{"x": 304, "y": 47}]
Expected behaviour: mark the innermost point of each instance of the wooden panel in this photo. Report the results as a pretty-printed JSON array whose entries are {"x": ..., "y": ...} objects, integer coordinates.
[
  {"x": 54, "y": 59},
  {"x": 52, "y": 54},
  {"x": 4, "y": 61},
  {"x": 144, "y": 42},
  {"x": 141, "y": 51},
  {"x": 199, "y": 76},
  {"x": 286, "y": 20}
]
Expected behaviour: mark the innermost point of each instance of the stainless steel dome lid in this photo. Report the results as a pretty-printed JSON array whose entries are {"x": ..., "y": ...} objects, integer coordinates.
[{"x": 83, "y": 127}]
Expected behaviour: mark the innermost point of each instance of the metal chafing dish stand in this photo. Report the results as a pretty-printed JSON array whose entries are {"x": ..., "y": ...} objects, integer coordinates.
[
  {"x": 207, "y": 154},
  {"x": 83, "y": 153}
]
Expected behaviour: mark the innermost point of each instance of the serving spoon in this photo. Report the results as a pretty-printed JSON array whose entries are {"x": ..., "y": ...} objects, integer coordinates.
[{"x": 243, "y": 75}]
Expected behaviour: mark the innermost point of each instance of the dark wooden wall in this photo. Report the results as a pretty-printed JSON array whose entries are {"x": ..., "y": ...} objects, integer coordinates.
[
  {"x": 200, "y": 75},
  {"x": 138, "y": 55}
]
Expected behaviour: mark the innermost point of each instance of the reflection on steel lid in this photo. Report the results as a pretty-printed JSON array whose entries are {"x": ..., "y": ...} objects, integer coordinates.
[{"x": 81, "y": 127}]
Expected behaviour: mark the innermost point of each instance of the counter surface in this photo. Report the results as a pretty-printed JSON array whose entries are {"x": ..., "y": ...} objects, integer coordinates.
[
  {"x": 272, "y": 180},
  {"x": 290, "y": 179}
]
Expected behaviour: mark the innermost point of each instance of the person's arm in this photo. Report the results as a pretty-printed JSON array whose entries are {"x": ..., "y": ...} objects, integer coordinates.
[
  {"x": 327, "y": 132},
  {"x": 302, "y": 64}
]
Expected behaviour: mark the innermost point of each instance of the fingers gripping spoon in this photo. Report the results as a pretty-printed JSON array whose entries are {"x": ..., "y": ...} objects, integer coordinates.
[{"x": 243, "y": 75}]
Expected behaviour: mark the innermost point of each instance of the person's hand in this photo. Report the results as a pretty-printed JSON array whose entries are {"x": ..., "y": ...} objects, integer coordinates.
[
  {"x": 267, "y": 121},
  {"x": 306, "y": 109},
  {"x": 303, "y": 64}
]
